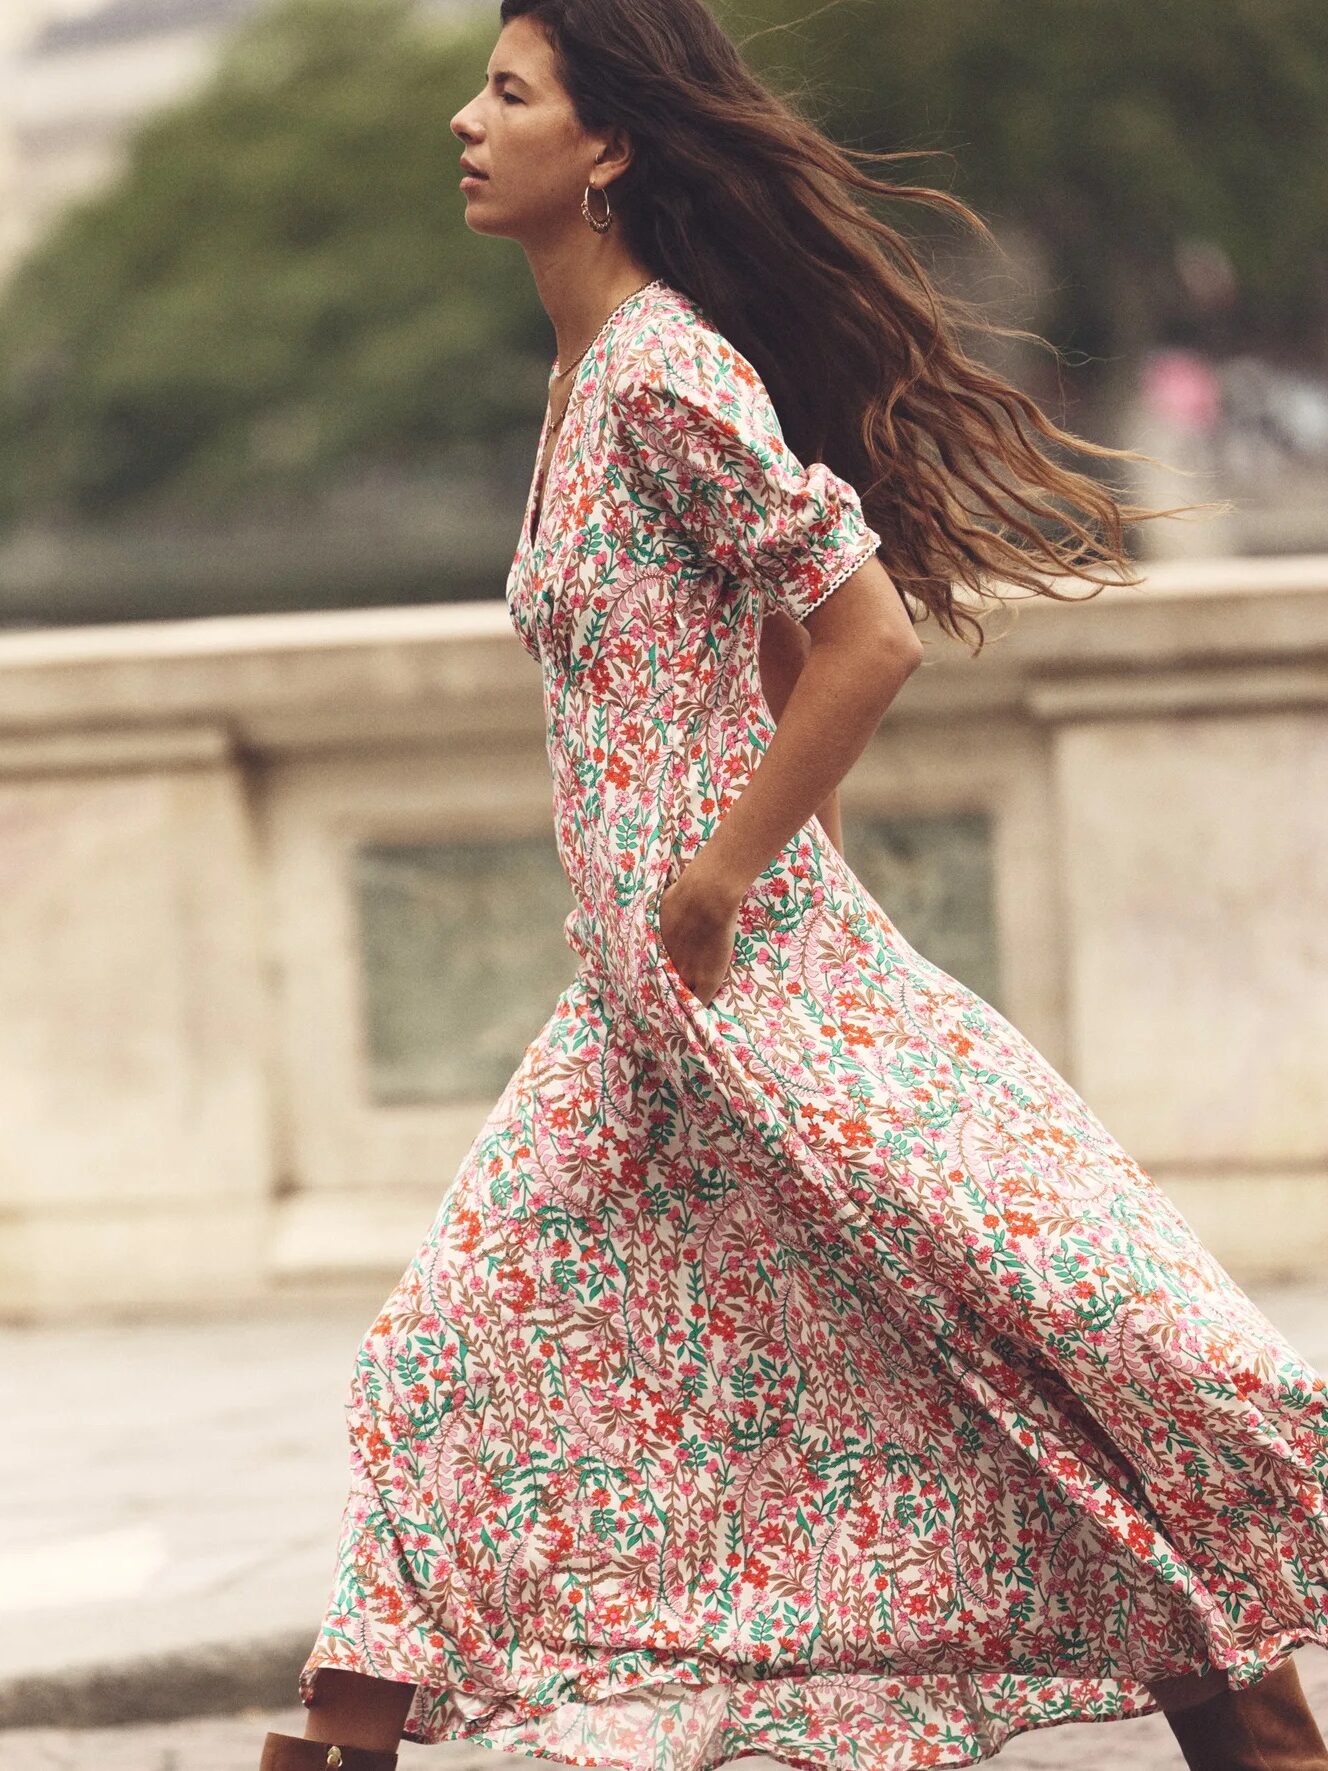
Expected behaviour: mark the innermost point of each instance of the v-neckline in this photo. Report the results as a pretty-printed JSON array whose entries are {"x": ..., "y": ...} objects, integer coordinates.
[
  {"x": 534, "y": 519},
  {"x": 532, "y": 522}
]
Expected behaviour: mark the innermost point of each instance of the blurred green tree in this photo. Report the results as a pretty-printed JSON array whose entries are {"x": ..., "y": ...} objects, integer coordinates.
[
  {"x": 1117, "y": 132},
  {"x": 281, "y": 288},
  {"x": 280, "y": 285}
]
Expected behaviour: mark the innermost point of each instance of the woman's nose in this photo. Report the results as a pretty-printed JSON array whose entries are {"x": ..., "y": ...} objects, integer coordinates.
[{"x": 461, "y": 125}]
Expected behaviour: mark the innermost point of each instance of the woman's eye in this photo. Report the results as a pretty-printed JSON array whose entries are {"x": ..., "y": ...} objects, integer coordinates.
[{"x": 510, "y": 98}]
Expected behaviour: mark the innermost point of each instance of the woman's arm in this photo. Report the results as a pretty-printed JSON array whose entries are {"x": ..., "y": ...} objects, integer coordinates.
[
  {"x": 862, "y": 649},
  {"x": 782, "y": 654},
  {"x": 699, "y": 430}
]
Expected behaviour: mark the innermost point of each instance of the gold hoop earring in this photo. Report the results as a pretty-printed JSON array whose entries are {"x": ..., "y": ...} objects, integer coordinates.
[{"x": 603, "y": 223}]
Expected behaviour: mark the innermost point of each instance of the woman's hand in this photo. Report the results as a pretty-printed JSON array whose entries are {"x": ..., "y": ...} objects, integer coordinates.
[{"x": 698, "y": 926}]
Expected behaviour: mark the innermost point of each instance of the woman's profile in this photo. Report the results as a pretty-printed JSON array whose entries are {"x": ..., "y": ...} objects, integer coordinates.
[{"x": 796, "y": 1365}]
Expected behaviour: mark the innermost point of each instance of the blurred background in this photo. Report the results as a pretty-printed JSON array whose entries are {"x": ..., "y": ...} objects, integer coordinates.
[
  {"x": 252, "y": 358},
  {"x": 282, "y": 903}
]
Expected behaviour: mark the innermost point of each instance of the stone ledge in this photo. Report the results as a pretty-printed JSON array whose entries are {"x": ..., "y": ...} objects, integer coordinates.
[{"x": 311, "y": 680}]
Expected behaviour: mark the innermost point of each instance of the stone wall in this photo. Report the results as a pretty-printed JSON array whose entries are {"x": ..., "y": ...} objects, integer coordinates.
[{"x": 283, "y": 906}]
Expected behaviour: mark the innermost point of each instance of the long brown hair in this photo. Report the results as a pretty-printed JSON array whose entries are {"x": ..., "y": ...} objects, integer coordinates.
[{"x": 742, "y": 204}]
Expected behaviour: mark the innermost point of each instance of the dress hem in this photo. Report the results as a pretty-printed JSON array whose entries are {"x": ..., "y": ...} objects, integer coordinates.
[{"x": 523, "y": 1710}]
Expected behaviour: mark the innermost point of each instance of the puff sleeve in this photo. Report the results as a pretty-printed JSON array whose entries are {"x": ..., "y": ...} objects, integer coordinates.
[{"x": 710, "y": 445}]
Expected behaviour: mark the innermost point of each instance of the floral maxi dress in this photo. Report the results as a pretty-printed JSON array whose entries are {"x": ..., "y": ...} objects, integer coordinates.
[{"x": 806, "y": 1372}]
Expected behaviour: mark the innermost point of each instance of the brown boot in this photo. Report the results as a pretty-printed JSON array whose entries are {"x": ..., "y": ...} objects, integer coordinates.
[
  {"x": 284, "y": 1752},
  {"x": 1266, "y": 1727}
]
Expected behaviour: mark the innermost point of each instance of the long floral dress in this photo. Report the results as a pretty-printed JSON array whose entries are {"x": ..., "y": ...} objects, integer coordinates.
[{"x": 806, "y": 1372}]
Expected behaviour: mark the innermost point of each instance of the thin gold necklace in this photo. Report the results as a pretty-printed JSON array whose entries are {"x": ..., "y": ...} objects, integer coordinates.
[
  {"x": 595, "y": 340},
  {"x": 556, "y": 425}
]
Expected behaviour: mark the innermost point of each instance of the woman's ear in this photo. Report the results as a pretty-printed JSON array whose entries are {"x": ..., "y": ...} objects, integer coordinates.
[{"x": 616, "y": 153}]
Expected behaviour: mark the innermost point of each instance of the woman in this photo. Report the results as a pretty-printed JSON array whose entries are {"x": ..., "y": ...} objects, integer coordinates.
[{"x": 796, "y": 1365}]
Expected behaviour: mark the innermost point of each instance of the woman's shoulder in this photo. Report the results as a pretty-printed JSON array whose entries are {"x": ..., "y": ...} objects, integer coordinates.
[{"x": 677, "y": 360}]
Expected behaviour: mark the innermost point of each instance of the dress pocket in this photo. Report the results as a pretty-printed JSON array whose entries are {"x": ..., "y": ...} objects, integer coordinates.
[{"x": 658, "y": 954}]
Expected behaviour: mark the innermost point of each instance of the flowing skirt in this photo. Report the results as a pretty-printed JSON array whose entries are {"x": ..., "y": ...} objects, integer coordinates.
[{"x": 809, "y": 1373}]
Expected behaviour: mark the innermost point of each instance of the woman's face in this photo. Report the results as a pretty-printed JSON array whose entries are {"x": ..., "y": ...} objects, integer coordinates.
[{"x": 520, "y": 131}]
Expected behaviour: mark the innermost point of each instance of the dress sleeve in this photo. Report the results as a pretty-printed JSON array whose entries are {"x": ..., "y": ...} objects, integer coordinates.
[{"x": 711, "y": 445}]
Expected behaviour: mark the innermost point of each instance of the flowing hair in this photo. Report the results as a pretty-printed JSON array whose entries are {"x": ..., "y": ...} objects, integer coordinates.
[{"x": 742, "y": 204}]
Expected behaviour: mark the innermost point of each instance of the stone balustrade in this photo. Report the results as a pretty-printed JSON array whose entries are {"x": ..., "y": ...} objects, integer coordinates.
[{"x": 282, "y": 906}]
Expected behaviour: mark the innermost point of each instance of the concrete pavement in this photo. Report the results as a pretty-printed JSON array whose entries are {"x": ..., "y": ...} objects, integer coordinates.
[{"x": 169, "y": 1499}]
